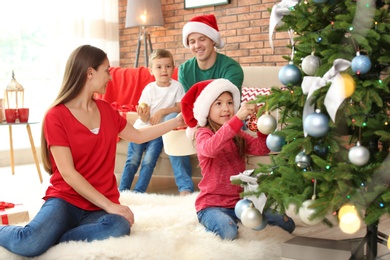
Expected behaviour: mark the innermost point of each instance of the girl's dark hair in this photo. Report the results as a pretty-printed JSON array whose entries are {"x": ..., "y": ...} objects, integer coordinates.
[
  {"x": 75, "y": 77},
  {"x": 238, "y": 140}
]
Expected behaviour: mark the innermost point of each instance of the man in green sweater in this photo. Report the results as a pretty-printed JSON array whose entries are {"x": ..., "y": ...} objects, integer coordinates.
[{"x": 201, "y": 35}]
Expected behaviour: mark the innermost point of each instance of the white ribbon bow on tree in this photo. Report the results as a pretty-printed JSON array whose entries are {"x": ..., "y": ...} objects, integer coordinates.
[
  {"x": 251, "y": 185},
  {"x": 277, "y": 13},
  {"x": 336, "y": 93}
]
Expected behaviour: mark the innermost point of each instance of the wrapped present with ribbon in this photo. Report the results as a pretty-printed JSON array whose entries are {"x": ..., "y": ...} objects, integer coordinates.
[{"x": 11, "y": 213}]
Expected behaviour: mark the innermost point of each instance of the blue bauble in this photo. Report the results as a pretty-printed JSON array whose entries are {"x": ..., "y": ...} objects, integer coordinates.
[
  {"x": 320, "y": 1},
  {"x": 316, "y": 124},
  {"x": 275, "y": 142},
  {"x": 264, "y": 223},
  {"x": 290, "y": 75},
  {"x": 321, "y": 151},
  {"x": 240, "y": 206},
  {"x": 361, "y": 64}
]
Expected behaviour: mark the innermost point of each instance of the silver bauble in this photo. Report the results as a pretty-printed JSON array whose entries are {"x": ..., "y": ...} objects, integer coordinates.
[
  {"x": 240, "y": 206},
  {"x": 264, "y": 223},
  {"x": 310, "y": 64},
  {"x": 251, "y": 217},
  {"x": 302, "y": 160},
  {"x": 359, "y": 155},
  {"x": 305, "y": 213},
  {"x": 266, "y": 124},
  {"x": 316, "y": 124},
  {"x": 275, "y": 142},
  {"x": 290, "y": 74}
]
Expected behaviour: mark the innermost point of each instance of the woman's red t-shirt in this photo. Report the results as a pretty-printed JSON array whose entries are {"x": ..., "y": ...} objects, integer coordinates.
[{"x": 93, "y": 154}]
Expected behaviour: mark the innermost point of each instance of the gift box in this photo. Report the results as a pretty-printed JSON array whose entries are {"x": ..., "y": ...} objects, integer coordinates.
[
  {"x": 13, "y": 214},
  {"x": 308, "y": 248}
]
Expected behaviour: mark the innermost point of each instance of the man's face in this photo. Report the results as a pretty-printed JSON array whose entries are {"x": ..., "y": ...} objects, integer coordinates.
[{"x": 201, "y": 46}]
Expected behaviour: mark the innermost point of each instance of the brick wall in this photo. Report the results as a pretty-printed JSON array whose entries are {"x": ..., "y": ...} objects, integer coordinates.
[{"x": 243, "y": 24}]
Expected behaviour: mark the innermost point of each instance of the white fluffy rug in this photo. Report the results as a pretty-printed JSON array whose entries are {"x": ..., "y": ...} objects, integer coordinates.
[{"x": 166, "y": 227}]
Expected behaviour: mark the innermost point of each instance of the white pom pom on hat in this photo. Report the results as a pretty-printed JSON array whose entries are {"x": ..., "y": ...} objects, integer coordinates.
[
  {"x": 204, "y": 24},
  {"x": 196, "y": 103}
]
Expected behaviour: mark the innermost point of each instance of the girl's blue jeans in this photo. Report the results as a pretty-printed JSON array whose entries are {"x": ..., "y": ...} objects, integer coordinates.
[
  {"x": 223, "y": 221},
  {"x": 134, "y": 156},
  {"x": 59, "y": 221}
]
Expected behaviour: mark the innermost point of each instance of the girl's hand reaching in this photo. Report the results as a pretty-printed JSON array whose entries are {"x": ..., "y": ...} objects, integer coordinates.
[{"x": 246, "y": 110}]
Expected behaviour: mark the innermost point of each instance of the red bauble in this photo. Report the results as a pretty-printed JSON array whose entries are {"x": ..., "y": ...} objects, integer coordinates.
[{"x": 252, "y": 123}]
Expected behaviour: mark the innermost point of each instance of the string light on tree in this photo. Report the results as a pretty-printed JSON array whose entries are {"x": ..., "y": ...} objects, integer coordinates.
[{"x": 349, "y": 221}]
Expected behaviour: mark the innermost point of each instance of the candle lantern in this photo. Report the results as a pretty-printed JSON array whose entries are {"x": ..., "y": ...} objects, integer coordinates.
[{"x": 14, "y": 94}]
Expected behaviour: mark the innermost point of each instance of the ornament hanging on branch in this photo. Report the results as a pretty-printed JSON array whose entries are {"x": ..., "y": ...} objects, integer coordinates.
[
  {"x": 306, "y": 211},
  {"x": 251, "y": 217},
  {"x": 359, "y": 155},
  {"x": 290, "y": 74},
  {"x": 240, "y": 206},
  {"x": 310, "y": 64},
  {"x": 361, "y": 64},
  {"x": 302, "y": 160},
  {"x": 316, "y": 124},
  {"x": 275, "y": 142},
  {"x": 266, "y": 124},
  {"x": 252, "y": 123}
]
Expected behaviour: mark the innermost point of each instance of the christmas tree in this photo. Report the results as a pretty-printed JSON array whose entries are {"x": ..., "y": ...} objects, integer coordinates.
[{"x": 333, "y": 136}]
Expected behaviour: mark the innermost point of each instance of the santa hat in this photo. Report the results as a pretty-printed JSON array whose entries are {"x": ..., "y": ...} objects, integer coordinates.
[
  {"x": 204, "y": 24},
  {"x": 196, "y": 103}
]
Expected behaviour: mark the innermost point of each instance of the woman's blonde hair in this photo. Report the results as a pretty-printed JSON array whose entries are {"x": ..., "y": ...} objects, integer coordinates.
[{"x": 75, "y": 77}]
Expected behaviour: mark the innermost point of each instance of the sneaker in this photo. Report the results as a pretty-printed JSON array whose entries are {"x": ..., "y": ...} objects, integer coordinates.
[{"x": 283, "y": 221}]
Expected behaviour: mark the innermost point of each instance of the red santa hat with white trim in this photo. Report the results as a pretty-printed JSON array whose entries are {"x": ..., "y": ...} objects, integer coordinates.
[
  {"x": 204, "y": 24},
  {"x": 196, "y": 103}
]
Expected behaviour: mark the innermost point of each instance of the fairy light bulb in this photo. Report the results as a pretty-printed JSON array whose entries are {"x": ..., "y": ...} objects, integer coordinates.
[{"x": 349, "y": 219}]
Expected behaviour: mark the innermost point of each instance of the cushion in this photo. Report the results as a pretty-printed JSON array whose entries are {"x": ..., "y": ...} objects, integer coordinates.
[{"x": 248, "y": 94}]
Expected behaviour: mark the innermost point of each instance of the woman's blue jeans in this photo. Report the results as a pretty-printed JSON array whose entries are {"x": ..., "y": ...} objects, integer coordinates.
[
  {"x": 134, "y": 156},
  {"x": 223, "y": 221},
  {"x": 59, "y": 221},
  {"x": 181, "y": 166}
]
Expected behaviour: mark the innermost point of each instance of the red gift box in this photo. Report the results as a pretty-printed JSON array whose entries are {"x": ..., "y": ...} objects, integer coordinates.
[{"x": 12, "y": 214}]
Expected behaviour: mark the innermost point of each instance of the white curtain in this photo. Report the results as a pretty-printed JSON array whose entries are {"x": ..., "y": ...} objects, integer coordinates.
[{"x": 37, "y": 38}]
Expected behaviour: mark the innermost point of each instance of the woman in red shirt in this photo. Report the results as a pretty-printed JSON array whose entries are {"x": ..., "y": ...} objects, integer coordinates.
[{"x": 79, "y": 136}]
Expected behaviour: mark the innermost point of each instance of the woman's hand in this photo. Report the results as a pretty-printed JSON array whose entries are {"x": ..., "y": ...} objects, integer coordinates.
[
  {"x": 246, "y": 110},
  {"x": 121, "y": 210}
]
